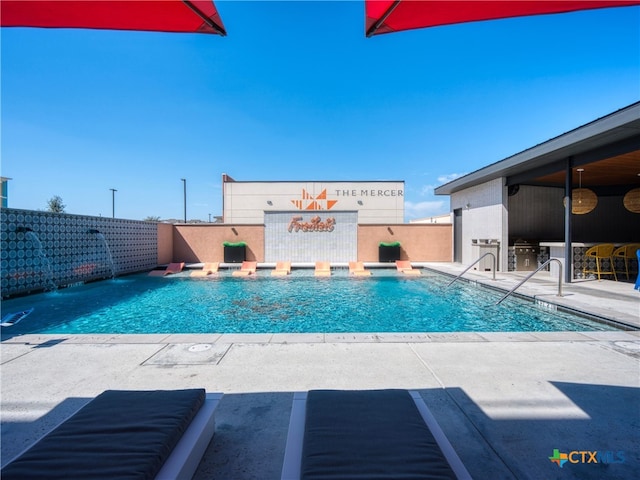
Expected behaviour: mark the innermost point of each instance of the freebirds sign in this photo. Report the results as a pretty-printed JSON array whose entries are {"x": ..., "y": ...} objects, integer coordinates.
[{"x": 314, "y": 225}]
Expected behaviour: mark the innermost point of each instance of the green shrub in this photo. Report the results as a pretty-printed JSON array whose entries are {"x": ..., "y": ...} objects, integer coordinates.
[
  {"x": 234, "y": 244},
  {"x": 389, "y": 244}
]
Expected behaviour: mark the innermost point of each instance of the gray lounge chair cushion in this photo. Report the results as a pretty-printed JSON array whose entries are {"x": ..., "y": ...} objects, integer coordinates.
[
  {"x": 376, "y": 434},
  {"x": 118, "y": 435}
]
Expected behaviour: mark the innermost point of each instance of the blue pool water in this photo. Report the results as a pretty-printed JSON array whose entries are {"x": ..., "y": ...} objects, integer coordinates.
[{"x": 300, "y": 302}]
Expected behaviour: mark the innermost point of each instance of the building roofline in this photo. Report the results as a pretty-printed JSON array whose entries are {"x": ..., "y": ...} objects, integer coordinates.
[
  {"x": 317, "y": 181},
  {"x": 614, "y": 127}
]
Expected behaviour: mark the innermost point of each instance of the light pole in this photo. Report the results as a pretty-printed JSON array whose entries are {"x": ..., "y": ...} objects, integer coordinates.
[
  {"x": 113, "y": 202},
  {"x": 184, "y": 188},
  {"x": 209, "y": 218}
]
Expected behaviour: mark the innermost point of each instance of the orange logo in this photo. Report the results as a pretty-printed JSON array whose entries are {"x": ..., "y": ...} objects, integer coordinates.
[
  {"x": 315, "y": 225},
  {"x": 309, "y": 202}
]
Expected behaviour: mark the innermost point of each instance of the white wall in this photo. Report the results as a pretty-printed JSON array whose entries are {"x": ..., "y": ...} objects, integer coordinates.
[
  {"x": 335, "y": 241},
  {"x": 484, "y": 216},
  {"x": 375, "y": 202}
]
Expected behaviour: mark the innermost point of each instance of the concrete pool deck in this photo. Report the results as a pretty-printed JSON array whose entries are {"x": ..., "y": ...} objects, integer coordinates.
[{"x": 504, "y": 400}]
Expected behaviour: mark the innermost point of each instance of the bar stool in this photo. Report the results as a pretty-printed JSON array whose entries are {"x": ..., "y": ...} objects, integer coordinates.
[
  {"x": 626, "y": 253},
  {"x": 604, "y": 251}
]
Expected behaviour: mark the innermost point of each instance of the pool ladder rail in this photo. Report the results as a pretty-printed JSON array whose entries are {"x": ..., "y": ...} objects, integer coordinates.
[
  {"x": 506, "y": 295},
  {"x": 469, "y": 267},
  {"x": 532, "y": 274}
]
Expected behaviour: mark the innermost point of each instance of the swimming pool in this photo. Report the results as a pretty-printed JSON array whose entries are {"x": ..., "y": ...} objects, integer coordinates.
[{"x": 298, "y": 303}]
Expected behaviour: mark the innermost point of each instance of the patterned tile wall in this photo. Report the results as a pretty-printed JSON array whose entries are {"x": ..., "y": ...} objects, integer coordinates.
[
  {"x": 543, "y": 256},
  {"x": 338, "y": 245},
  {"x": 43, "y": 250}
]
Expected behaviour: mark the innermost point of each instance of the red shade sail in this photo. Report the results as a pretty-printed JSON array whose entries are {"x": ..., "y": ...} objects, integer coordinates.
[
  {"x": 386, "y": 16},
  {"x": 196, "y": 16}
]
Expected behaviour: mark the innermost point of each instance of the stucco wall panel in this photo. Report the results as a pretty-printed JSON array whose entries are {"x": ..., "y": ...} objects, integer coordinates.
[
  {"x": 165, "y": 243},
  {"x": 203, "y": 243},
  {"x": 418, "y": 242}
]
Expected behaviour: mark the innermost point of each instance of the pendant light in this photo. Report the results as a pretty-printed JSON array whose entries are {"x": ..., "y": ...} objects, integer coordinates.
[
  {"x": 583, "y": 200},
  {"x": 631, "y": 200}
]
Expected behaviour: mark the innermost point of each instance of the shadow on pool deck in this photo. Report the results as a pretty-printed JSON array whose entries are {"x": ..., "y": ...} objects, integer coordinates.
[
  {"x": 505, "y": 404},
  {"x": 250, "y": 435}
]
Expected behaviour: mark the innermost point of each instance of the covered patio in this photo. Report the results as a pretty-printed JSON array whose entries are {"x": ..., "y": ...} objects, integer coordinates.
[{"x": 538, "y": 197}]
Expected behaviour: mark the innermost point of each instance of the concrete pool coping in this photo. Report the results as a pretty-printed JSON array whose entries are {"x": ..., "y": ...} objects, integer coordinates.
[{"x": 504, "y": 400}]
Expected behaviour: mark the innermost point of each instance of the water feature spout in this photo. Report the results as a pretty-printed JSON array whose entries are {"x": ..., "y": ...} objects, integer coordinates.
[
  {"x": 46, "y": 268},
  {"x": 23, "y": 229},
  {"x": 109, "y": 258}
]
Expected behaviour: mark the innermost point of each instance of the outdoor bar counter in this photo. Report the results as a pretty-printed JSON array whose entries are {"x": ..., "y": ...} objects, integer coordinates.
[{"x": 556, "y": 250}]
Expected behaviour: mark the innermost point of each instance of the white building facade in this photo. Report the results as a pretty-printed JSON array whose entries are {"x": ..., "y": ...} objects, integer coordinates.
[{"x": 374, "y": 202}]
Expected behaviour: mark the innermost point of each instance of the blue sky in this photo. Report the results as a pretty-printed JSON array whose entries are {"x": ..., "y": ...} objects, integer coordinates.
[{"x": 295, "y": 92}]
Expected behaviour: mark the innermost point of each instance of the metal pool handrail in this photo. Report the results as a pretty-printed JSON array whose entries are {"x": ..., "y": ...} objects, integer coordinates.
[
  {"x": 467, "y": 269},
  {"x": 532, "y": 274}
]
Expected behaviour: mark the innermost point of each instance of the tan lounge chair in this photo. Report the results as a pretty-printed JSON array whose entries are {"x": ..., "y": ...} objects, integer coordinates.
[
  {"x": 357, "y": 269},
  {"x": 405, "y": 267},
  {"x": 171, "y": 268},
  {"x": 209, "y": 268},
  {"x": 282, "y": 269},
  {"x": 323, "y": 269},
  {"x": 247, "y": 268}
]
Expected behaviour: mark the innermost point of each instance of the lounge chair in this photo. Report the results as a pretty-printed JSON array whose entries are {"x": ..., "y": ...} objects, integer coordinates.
[
  {"x": 282, "y": 269},
  {"x": 209, "y": 268},
  {"x": 405, "y": 267},
  {"x": 246, "y": 269},
  {"x": 158, "y": 434},
  {"x": 357, "y": 269},
  {"x": 377, "y": 434},
  {"x": 171, "y": 269},
  {"x": 323, "y": 269}
]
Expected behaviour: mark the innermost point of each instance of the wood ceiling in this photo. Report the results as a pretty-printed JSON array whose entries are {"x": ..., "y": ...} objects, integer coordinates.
[{"x": 620, "y": 170}]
